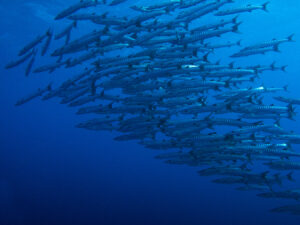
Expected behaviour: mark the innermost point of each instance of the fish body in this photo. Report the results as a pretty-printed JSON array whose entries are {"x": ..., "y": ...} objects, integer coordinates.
[
  {"x": 73, "y": 8},
  {"x": 290, "y": 194},
  {"x": 29, "y": 66},
  {"x": 292, "y": 209},
  {"x": 287, "y": 100},
  {"x": 117, "y": 2},
  {"x": 274, "y": 42},
  {"x": 283, "y": 165},
  {"x": 19, "y": 61},
  {"x": 34, "y": 95},
  {"x": 32, "y": 44},
  {"x": 248, "y": 8},
  {"x": 258, "y": 51},
  {"x": 48, "y": 41},
  {"x": 66, "y": 31}
]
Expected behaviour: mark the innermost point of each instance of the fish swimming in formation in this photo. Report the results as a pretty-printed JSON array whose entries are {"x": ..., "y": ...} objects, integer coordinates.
[
  {"x": 156, "y": 77},
  {"x": 290, "y": 194},
  {"x": 293, "y": 209}
]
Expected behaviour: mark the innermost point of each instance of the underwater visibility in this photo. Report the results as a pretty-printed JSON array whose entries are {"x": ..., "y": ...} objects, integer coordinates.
[{"x": 174, "y": 112}]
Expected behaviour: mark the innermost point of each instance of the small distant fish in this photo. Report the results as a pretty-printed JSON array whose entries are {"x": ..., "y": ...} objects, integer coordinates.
[
  {"x": 19, "y": 61},
  {"x": 283, "y": 165},
  {"x": 258, "y": 51},
  {"x": 32, "y": 44},
  {"x": 272, "y": 43},
  {"x": 248, "y": 8},
  {"x": 287, "y": 100},
  {"x": 38, "y": 93},
  {"x": 50, "y": 67},
  {"x": 293, "y": 209},
  {"x": 82, "y": 4},
  {"x": 290, "y": 194}
]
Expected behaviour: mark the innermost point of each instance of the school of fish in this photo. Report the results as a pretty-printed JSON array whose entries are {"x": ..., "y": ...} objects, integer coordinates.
[{"x": 154, "y": 77}]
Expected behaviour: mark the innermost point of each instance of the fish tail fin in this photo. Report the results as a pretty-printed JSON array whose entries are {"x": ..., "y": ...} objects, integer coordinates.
[
  {"x": 277, "y": 122},
  {"x": 264, "y": 174},
  {"x": 273, "y": 66},
  {"x": 276, "y": 48},
  {"x": 205, "y": 57},
  {"x": 252, "y": 79},
  {"x": 291, "y": 116},
  {"x": 104, "y": 15},
  {"x": 290, "y": 38},
  {"x": 264, "y": 6},
  {"x": 231, "y": 65},
  {"x": 291, "y": 109},
  {"x": 283, "y": 68},
  {"x": 234, "y": 19},
  {"x": 235, "y": 28}
]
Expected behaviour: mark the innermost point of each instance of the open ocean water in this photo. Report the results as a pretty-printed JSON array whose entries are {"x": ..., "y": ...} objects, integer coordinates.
[{"x": 52, "y": 173}]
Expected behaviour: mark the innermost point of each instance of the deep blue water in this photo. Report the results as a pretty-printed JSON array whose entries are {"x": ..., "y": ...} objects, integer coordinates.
[{"x": 53, "y": 173}]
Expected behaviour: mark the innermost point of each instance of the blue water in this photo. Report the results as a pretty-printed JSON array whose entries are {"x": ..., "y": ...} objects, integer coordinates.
[{"x": 52, "y": 173}]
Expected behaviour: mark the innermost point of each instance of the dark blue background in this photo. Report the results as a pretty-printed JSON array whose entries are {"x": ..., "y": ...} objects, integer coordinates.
[{"x": 53, "y": 173}]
